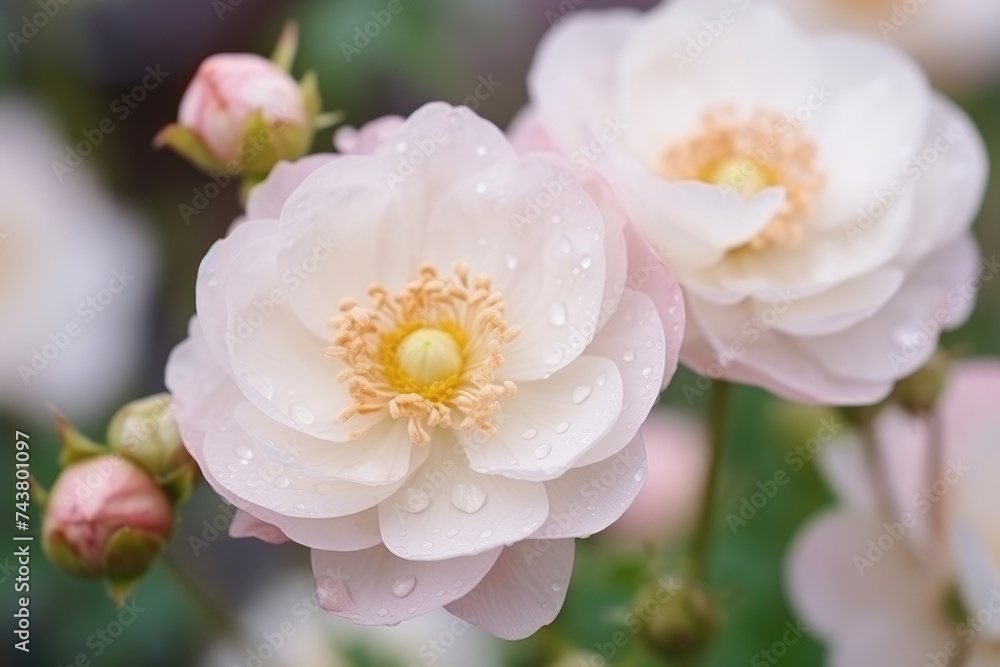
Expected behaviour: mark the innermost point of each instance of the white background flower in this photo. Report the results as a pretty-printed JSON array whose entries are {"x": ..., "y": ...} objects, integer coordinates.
[
  {"x": 500, "y": 364},
  {"x": 76, "y": 270},
  {"x": 762, "y": 159}
]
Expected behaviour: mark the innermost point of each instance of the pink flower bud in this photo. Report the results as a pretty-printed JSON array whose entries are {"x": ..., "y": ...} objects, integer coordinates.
[{"x": 106, "y": 517}]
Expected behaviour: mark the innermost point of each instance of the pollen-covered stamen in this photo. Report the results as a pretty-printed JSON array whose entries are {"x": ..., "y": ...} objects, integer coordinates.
[
  {"x": 748, "y": 156},
  {"x": 426, "y": 353}
]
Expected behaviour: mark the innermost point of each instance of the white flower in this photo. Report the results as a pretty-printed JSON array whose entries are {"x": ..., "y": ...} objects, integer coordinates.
[
  {"x": 75, "y": 276},
  {"x": 906, "y": 571},
  {"x": 811, "y": 193},
  {"x": 394, "y": 365},
  {"x": 955, "y": 40}
]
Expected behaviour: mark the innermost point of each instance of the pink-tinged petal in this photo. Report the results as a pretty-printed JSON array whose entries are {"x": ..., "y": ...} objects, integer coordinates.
[
  {"x": 268, "y": 198},
  {"x": 847, "y": 473},
  {"x": 591, "y": 41},
  {"x": 842, "y": 584},
  {"x": 634, "y": 340},
  {"x": 967, "y": 407},
  {"x": 374, "y": 587},
  {"x": 649, "y": 274},
  {"x": 346, "y": 533},
  {"x": 523, "y": 592},
  {"x": 677, "y": 461},
  {"x": 976, "y": 569},
  {"x": 951, "y": 191},
  {"x": 588, "y": 499},
  {"x": 445, "y": 509},
  {"x": 551, "y": 423},
  {"x": 203, "y": 396},
  {"x": 528, "y": 134},
  {"x": 367, "y": 139},
  {"x": 903, "y": 640},
  {"x": 256, "y": 475},
  {"x": 247, "y": 525},
  {"x": 383, "y": 456}
]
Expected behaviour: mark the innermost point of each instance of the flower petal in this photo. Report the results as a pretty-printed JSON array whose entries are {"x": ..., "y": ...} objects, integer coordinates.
[
  {"x": 446, "y": 510},
  {"x": 551, "y": 423},
  {"x": 374, "y": 587},
  {"x": 245, "y": 524},
  {"x": 523, "y": 592},
  {"x": 588, "y": 499},
  {"x": 268, "y": 198}
]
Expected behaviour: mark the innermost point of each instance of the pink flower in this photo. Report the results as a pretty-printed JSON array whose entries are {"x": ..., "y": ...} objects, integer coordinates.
[
  {"x": 677, "y": 461},
  {"x": 877, "y": 577},
  {"x": 812, "y": 194},
  {"x": 395, "y": 365},
  {"x": 106, "y": 516}
]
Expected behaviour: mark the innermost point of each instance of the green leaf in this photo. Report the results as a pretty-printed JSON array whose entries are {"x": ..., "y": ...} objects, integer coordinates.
[
  {"x": 129, "y": 553},
  {"x": 186, "y": 143},
  {"x": 76, "y": 446},
  {"x": 287, "y": 46}
]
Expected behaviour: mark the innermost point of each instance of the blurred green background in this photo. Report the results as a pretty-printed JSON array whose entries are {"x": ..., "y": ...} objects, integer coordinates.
[{"x": 94, "y": 50}]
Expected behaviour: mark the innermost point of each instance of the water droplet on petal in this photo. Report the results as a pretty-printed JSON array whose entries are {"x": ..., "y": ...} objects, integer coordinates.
[
  {"x": 557, "y": 587},
  {"x": 542, "y": 451},
  {"x": 400, "y": 551},
  {"x": 557, "y": 314},
  {"x": 332, "y": 595},
  {"x": 602, "y": 379},
  {"x": 452, "y": 533},
  {"x": 562, "y": 427},
  {"x": 428, "y": 545},
  {"x": 629, "y": 355},
  {"x": 511, "y": 262},
  {"x": 382, "y": 613},
  {"x": 647, "y": 371},
  {"x": 281, "y": 482},
  {"x": 582, "y": 393},
  {"x": 261, "y": 385},
  {"x": 529, "y": 434},
  {"x": 565, "y": 244},
  {"x": 486, "y": 534},
  {"x": 467, "y": 497},
  {"x": 244, "y": 453},
  {"x": 301, "y": 413},
  {"x": 480, "y": 150},
  {"x": 586, "y": 261}
]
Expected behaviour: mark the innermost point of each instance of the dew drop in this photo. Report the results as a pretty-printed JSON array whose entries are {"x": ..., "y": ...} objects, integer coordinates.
[
  {"x": 511, "y": 262},
  {"x": 526, "y": 512},
  {"x": 562, "y": 427},
  {"x": 427, "y": 545},
  {"x": 403, "y": 586},
  {"x": 481, "y": 150},
  {"x": 640, "y": 474},
  {"x": 586, "y": 261},
  {"x": 529, "y": 434},
  {"x": 244, "y": 453},
  {"x": 486, "y": 534},
  {"x": 582, "y": 393},
  {"x": 301, "y": 413},
  {"x": 281, "y": 482},
  {"x": 566, "y": 245},
  {"x": 602, "y": 379},
  {"x": 557, "y": 587},
  {"x": 647, "y": 371},
  {"x": 468, "y": 497},
  {"x": 332, "y": 595},
  {"x": 261, "y": 385},
  {"x": 382, "y": 613},
  {"x": 629, "y": 355},
  {"x": 542, "y": 451},
  {"x": 557, "y": 314},
  {"x": 400, "y": 551},
  {"x": 452, "y": 533}
]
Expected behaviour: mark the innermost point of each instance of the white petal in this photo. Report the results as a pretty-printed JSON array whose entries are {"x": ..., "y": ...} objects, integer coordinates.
[
  {"x": 344, "y": 533},
  {"x": 373, "y": 587},
  {"x": 523, "y": 592},
  {"x": 588, "y": 499},
  {"x": 267, "y": 199},
  {"x": 446, "y": 510},
  {"x": 634, "y": 340},
  {"x": 551, "y": 423},
  {"x": 245, "y": 469},
  {"x": 385, "y": 454}
]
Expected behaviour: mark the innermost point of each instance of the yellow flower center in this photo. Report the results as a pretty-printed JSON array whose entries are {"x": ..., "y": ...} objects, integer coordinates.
[
  {"x": 748, "y": 156},
  {"x": 428, "y": 354}
]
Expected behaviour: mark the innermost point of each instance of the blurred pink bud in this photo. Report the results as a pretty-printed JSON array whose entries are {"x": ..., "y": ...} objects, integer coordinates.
[
  {"x": 106, "y": 517},
  {"x": 228, "y": 89},
  {"x": 677, "y": 460}
]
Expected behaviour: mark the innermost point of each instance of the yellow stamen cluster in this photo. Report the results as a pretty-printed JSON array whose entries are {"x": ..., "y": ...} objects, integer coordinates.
[
  {"x": 750, "y": 156},
  {"x": 426, "y": 353}
]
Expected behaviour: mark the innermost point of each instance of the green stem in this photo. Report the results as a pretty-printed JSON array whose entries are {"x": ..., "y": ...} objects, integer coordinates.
[
  {"x": 718, "y": 412},
  {"x": 227, "y": 623}
]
